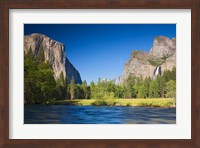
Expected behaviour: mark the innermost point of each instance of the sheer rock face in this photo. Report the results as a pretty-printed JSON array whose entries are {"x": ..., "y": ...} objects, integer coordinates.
[
  {"x": 162, "y": 55},
  {"x": 54, "y": 52}
]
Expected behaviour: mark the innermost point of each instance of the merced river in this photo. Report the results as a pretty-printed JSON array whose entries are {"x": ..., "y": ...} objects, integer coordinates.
[{"x": 68, "y": 114}]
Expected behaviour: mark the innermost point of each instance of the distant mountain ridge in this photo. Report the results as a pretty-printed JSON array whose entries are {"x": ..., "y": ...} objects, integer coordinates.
[
  {"x": 162, "y": 56},
  {"x": 54, "y": 52}
]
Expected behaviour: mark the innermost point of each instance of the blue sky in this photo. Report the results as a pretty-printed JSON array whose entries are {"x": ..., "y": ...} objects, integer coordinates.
[{"x": 100, "y": 50}]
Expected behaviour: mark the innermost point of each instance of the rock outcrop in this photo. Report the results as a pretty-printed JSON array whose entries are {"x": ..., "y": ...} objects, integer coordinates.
[
  {"x": 162, "y": 47},
  {"x": 54, "y": 52},
  {"x": 161, "y": 57}
]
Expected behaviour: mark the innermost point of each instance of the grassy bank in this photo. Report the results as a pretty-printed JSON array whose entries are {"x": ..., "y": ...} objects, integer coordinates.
[{"x": 153, "y": 102}]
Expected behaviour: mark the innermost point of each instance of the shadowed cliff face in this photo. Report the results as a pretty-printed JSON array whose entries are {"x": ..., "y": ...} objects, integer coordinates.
[
  {"x": 54, "y": 52},
  {"x": 161, "y": 57},
  {"x": 72, "y": 72}
]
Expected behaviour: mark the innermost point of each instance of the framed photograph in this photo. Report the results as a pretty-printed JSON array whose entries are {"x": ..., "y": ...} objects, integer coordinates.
[{"x": 100, "y": 73}]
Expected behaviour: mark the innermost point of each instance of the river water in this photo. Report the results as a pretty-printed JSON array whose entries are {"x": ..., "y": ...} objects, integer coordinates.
[{"x": 67, "y": 114}]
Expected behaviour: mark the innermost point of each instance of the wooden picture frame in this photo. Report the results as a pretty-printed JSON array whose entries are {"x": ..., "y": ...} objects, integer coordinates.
[{"x": 5, "y": 5}]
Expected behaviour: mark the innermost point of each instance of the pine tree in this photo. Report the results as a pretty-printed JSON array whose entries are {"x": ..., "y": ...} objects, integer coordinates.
[
  {"x": 72, "y": 88},
  {"x": 147, "y": 82},
  {"x": 79, "y": 92},
  {"x": 129, "y": 87},
  {"x": 38, "y": 80},
  {"x": 141, "y": 92},
  {"x": 161, "y": 85},
  {"x": 92, "y": 88},
  {"x": 119, "y": 91},
  {"x": 153, "y": 89},
  {"x": 45, "y": 84},
  {"x": 61, "y": 86},
  {"x": 29, "y": 78},
  {"x": 62, "y": 80},
  {"x": 84, "y": 86},
  {"x": 171, "y": 89},
  {"x": 174, "y": 74}
]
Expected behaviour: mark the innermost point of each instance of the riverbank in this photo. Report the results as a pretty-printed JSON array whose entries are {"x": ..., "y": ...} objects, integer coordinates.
[{"x": 153, "y": 102}]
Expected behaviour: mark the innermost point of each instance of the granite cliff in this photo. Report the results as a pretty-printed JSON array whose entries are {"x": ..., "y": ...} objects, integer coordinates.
[
  {"x": 54, "y": 52},
  {"x": 162, "y": 56}
]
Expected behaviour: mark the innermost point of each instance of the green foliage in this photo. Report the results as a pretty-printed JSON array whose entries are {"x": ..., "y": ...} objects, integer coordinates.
[
  {"x": 72, "y": 88},
  {"x": 153, "y": 89},
  {"x": 171, "y": 89},
  {"x": 79, "y": 92},
  {"x": 103, "y": 92},
  {"x": 161, "y": 85},
  {"x": 86, "y": 89},
  {"x": 119, "y": 91},
  {"x": 146, "y": 83},
  {"x": 173, "y": 76},
  {"x": 133, "y": 87},
  {"x": 141, "y": 92},
  {"x": 167, "y": 75},
  {"x": 92, "y": 89},
  {"x": 61, "y": 87},
  {"x": 29, "y": 54},
  {"x": 45, "y": 84},
  {"x": 153, "y": 102},
  {"x": 158, "y": 61},
  {"x": 39, "y": 83},
  {"x": 61, "y": 81},
  {"x": 104, "y": 98},
  {"x": 130, "y": 90},
  {"x": 156, "y": 103}
]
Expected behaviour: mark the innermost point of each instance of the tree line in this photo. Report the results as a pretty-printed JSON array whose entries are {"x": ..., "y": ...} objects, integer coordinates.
[{"x": 40, "y": 85}]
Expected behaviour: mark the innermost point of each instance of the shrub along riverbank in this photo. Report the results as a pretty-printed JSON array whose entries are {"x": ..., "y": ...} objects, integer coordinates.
[{"x": 153, "y": 102}]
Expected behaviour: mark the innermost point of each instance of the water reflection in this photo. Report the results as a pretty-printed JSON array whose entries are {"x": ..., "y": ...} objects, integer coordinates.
[{"x": 64, "y": 114}]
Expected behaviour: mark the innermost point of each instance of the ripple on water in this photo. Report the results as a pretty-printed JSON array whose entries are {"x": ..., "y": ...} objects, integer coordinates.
[{"x": 65, "y": 114}]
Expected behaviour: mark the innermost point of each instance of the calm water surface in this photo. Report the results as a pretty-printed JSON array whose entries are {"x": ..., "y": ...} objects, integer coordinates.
[{"x": 66, "y": 114}]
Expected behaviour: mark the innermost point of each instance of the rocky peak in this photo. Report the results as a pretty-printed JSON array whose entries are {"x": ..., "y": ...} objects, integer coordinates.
[
  {"x": 163, "y": 46},
  {"x": 54, "y": 52},
  {"x": 139, "y": 54},
  {"x": 161, "y": 57}
]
